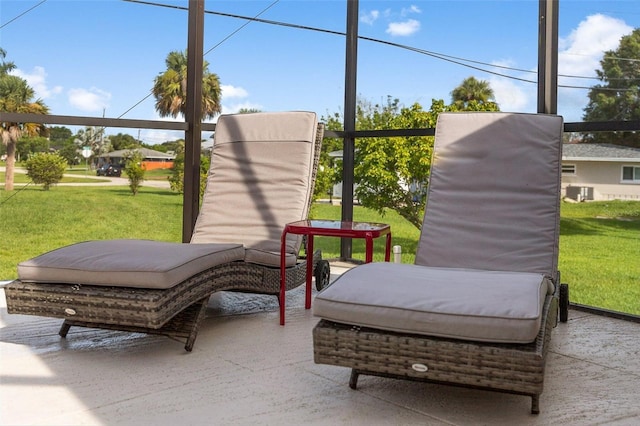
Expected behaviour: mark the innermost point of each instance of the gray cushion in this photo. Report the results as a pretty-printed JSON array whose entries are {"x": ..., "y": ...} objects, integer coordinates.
[
  {"x": 127, "y": 263},
  {"x": 493, "y": 202},
  {"x": 489, "y": 238},
  {"x": 260, "y": 179},
  {"x": 494, "y": 306},
  {"x": 268, "y": 258}
]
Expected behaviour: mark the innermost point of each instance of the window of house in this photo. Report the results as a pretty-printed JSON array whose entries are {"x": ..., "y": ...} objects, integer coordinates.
[
  {"x": 568, "y": 169},
  {"x": 630, "y": 174}
]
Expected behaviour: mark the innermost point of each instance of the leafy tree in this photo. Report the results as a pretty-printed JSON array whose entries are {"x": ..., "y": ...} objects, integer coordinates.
[
  {"x": 330, "y": 168},
  {"x": 94, "y": 138},
  {"x": 149, "y": 146},
  {"x": 123, "y": 141},
  {"x": 326, "y": 176},
  {"x": 5, "y": 67},
  {"x": 30, "y": 145},
  {"x": 170, "y": 88},
  {"x": 392, "y": 172},
  {"x": 169, "y": 146},
  {"x": 618, "y": 96},
  {"x": 16, "y": 96},
  {"x": 248, "y": 110},
  {"x": 59, "y": 134},
  {"x": 70, "y": 152},
  {"x": 135, "y": 170},
  {"x": 176, "y": 179},
  {"x": 470, "y": 90},
  {"x": 46, "y": 168}
]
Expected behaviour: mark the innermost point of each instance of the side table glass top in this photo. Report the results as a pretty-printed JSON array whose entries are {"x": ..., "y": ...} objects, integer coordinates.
[{"x": 338, "y": 225}]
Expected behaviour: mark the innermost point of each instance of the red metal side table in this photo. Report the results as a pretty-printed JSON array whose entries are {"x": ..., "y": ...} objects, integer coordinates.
[{"x": 329, "y": 228}]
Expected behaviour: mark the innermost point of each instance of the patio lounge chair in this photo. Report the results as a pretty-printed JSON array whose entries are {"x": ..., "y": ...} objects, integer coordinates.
[
  {"x": 477, "y": 307},
  {"x": 261, "y": 177}
]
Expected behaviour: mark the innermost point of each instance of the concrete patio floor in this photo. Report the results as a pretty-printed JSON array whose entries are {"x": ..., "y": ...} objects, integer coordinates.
[{"x": 245, "y": 369}]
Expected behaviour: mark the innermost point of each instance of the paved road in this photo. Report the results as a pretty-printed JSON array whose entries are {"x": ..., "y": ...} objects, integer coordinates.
[{"x": 101, "y": 180}]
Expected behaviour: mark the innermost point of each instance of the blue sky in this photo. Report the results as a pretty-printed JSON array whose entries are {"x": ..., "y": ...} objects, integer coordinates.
[{"x": 84, "y": 57}]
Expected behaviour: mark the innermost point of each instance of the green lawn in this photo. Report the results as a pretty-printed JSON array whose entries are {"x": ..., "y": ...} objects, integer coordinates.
[
  {"x": 157, "y": 174},
  {"x": 600, "y": 254},
  {"x": 22, "y": 178},
  {"x": 599, "y": 243},
  {"x": 35, "y": 221}
]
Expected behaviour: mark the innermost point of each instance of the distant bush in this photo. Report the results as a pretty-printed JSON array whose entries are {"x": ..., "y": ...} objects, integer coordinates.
[
  {"x": 176, "y": 179},
  {"x": 135, "y": 171},
  {"x": 46, "y": 168}
]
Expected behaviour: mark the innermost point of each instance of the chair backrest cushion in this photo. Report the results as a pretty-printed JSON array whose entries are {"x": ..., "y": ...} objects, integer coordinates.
[
  {"x": 260, "y": 179},
  {"x": 493, "y": 199}
]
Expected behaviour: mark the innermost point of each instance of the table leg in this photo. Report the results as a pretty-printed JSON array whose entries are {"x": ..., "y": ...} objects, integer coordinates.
[
  {"x": 369, "y": 248},
  {"x": 283, "y": 275},
  {"x": 307, "y": 301},
  {"x": 387, "y": 253}
]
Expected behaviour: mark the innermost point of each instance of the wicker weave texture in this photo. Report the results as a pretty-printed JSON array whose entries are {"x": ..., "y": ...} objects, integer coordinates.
[
  {"x": 146, "y": 308},
  {"x": 511, "y": 368}
]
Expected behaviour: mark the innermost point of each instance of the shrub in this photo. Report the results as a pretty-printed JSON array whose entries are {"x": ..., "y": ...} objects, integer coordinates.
[
  {"x": 46, "y": 168},
  {"x": 135, "y": 171},
  {"x": 176, "y": 180}
]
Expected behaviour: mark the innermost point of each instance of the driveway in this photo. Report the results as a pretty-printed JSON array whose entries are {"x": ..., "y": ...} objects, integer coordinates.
[{"x": 100, "y": 180}]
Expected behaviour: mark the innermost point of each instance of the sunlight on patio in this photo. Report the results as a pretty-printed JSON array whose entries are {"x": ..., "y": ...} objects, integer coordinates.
[{"x": 247, "y": 369}]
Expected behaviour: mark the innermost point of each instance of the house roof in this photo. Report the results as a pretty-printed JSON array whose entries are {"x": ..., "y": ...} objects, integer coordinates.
[
  {"x": 147, "y": 154},
  {"x": 599, "y": 152},
  {"x": 582, "y": 152}
]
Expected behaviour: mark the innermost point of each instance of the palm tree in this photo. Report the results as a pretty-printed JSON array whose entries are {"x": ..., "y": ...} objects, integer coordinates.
[
  {"x": 472, "y": 89},
  {"x": 170, "y": 88},
  {"x": 16, "y": 96},
  {"x": 5, "y": 67}
]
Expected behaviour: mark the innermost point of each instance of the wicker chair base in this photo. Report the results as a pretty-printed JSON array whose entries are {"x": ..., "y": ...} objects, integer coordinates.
[
  {"x": 511, "y": 368},
  {"x": 175, "y": 312}
]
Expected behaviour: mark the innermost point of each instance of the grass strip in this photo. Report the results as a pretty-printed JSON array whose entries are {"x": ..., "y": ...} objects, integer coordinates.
[{"x": 599, "y": 241}]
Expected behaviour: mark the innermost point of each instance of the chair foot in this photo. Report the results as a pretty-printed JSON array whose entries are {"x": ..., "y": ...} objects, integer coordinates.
[
  {"x": 191, "y": 339},
  {"x": 535, "y": 404},
  {"x": 563, "y": 302},
  {"x": 190, "y": 342},
  {"x": 353, "y": 380},
  {"x": 64, "y": 329}
]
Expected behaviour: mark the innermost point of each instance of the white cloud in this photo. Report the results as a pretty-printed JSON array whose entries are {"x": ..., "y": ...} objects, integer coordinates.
[
  {"x": 511, "y": 95},
  {"x": 406, "y": 28},
  {"x": 156, "y": 116},
  {"x": 229, "y": 91},
  {"x": 157, "y": 136},
  {"x": 37, "y": 79},
  {"x": 93, "y": 99},
  {"x": 580, "y": 53},
  {"x": 409, "y": 10},
  {"x": 370, "y": 17},
  {"x": 395, "y": 27}
]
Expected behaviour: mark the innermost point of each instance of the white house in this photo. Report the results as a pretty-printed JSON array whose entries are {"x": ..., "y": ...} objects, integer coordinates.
[{"x": 600, "y": 172}]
